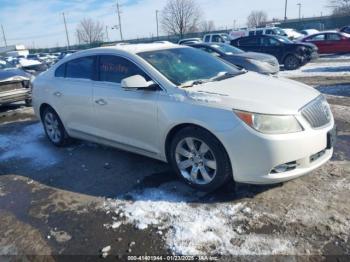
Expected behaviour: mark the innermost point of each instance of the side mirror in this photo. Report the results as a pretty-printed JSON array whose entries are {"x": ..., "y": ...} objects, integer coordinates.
[{"x": 135, "y": 82}]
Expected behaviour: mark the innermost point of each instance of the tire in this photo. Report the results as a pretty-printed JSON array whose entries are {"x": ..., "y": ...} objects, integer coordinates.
[
  {"x": 54, "y": 128},
  {"x": 203, "y": 163},
  {"x": 291, "y": 62}
]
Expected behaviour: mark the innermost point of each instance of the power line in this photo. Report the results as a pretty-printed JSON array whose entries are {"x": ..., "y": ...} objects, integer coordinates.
[
  {"x": 65, "y": 26},
  {"x": 3, "y": 34}
]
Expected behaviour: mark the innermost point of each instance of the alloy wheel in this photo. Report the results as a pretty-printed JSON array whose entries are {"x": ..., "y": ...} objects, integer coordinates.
[
  {"x": 196, "y": 161},
  {"x": 51, "y": 123}
]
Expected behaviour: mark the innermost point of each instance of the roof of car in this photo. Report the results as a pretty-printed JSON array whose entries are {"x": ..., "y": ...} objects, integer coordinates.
[{"x": 138, "y": 48}]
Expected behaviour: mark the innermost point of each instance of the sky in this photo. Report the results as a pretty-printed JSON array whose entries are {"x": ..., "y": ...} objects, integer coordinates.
[{"x": 39, "y": 23}]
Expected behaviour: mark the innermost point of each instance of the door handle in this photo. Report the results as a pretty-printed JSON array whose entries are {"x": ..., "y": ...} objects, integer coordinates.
[
  {"x": 101, "y": 102},
  {"x": 58, "y": 94}
]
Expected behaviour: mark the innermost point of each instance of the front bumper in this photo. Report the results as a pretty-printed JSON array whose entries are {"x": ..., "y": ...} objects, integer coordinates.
[
  {"x": 254, "y": 155},
  {"x": 8, "y": 97}
]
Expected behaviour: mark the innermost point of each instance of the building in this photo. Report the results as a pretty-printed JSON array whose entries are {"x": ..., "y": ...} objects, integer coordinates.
[
  {"x": 320, "y": 23},
  {"x": 14, "y": 50}
]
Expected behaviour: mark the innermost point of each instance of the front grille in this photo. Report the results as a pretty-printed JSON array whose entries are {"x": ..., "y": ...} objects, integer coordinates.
[
  {"x": 10, "y": 86},
  {"x": 317, "y": 112}
]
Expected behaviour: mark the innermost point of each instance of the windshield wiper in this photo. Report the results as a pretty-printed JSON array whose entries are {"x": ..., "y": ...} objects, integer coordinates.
[
  {"x": 194, "y": 82},
  {"x": 226, "y": 75}
]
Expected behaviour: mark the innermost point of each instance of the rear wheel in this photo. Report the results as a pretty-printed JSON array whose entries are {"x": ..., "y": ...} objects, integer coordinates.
[
  {"x": 54, "y": 128},
  {"x": 291, "y": 62},
  {"x": 200, "y": 159}
]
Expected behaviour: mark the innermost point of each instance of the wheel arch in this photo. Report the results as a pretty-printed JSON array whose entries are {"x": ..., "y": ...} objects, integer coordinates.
[
  {"x": 42, "y": 108},
  {"x": 175, "y": 129}
]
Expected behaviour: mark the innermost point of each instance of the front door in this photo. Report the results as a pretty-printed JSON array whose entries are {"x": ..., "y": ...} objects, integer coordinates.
[{"x": 127, "y": 117}]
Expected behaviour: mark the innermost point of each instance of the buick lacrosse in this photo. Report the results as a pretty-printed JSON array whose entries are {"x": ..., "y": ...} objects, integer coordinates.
[{"x": 211, "y": 121}]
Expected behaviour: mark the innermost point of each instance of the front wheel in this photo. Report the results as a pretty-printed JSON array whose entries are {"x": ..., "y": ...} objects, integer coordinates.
[
  {"x": 199, "y": 159},
  {"x": 54, "y": 128},
  {"x": 291, "y": 62}
]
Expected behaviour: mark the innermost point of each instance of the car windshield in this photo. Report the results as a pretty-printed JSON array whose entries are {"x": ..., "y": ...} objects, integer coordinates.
[
  {"x": 284, "y": 39},
  {"x": 185, "y": 65},
  {"x": 225, "y": 37},
  {"x": 227, "y": 49},
  {"x": 5, "y": 65},
  {"x": 280, "y": 32}
]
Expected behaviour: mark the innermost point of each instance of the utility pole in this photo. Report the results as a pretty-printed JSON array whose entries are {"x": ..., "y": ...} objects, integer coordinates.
[
  {"x": 285, "y": 10},
  {"x": 157, "y": 11},
  {"x": 120, "y": 23},
  {"x": 65, "y": 26},
  {"x": 3, "y": 35},
  {"x": 299, "y": 10},
  {"x": 107, "y": 37}
]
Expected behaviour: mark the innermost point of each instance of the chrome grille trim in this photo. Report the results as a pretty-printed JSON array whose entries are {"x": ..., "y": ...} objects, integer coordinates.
[{"x": 317, "y": 112}]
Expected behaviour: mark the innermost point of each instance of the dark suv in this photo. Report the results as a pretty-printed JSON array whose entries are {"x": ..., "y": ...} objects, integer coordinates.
[{"x": 291, "y": 54}]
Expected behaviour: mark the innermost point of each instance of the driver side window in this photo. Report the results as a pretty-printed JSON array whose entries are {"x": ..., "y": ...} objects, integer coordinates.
[{"x": 114, "y": 69}]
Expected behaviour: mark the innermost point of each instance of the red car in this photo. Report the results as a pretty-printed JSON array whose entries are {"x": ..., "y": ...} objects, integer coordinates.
[{"x": 330, "y": 42}]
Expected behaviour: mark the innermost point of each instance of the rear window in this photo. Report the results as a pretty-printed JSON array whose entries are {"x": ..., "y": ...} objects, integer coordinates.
[
  {"x": 61, "y": 71},
  {"x": 333, "y": 37},
  {"x": 253, "y": 41},
  {"x": 80, "y": 68},
  {"x": 207, "y": 38}
]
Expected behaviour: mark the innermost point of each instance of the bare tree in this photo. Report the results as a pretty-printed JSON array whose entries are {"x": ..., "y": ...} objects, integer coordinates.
[
  {"x": 89, "y": 31},
  {"x": 340, "y": 7},
  {"x": 256, "y": 18},
  {"x": 207, "y": 26},
  {"x": 180, "y": 17}
]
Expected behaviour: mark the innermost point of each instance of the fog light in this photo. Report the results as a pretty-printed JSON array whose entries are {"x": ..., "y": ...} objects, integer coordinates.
[{"x": 284, "y": 167}]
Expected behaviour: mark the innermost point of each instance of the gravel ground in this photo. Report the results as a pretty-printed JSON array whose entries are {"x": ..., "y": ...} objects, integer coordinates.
[{"x": 90, "y": 200}]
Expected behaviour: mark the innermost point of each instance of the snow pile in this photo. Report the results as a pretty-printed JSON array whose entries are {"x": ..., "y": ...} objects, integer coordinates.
[
  {"x": 191, "y": 227},
  {"x": 26, "y": 144},
  {"x": 319, "y": 69}
]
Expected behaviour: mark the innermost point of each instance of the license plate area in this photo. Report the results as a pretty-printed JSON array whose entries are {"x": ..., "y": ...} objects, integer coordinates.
[{"x": 332, "y": 138}]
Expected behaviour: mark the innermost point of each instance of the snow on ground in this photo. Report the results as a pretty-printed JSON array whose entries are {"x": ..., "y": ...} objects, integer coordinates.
[
  {"x": 27, "y": 144},
  {"x": 320, "y": 69},
  {"x": 191, "y": 227},
  {"x": 341, "y": 57}
]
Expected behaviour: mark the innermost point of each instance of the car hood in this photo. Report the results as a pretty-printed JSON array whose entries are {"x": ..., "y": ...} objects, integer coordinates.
[
  {"x": 255, "y": 93},
  {"x": 254, "y": 55},
  {"x": 309, "y": 45},
  {"x": 13, "y": 75}
]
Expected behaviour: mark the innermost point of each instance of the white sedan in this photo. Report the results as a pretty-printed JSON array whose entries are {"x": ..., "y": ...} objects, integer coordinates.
[{"x": 209, "y": 120}]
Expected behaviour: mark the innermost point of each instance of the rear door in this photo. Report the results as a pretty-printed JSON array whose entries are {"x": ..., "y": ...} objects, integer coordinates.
[
  {"x": 337, "y": 43},
  {"x": 72, "y": 93},
  {"x": 251, "y": 44},
  {"x": 127, "y": 117}
]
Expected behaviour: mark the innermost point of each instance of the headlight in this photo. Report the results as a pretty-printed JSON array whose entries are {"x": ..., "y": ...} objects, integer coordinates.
[
  {"x": 270, "y": 124},
  {"x": 258, "y": 63}
]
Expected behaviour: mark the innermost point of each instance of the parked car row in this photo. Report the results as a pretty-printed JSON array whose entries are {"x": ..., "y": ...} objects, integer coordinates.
[
  {"x": 210, "y": 120},
  {"x": 290, "y": 54}
]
